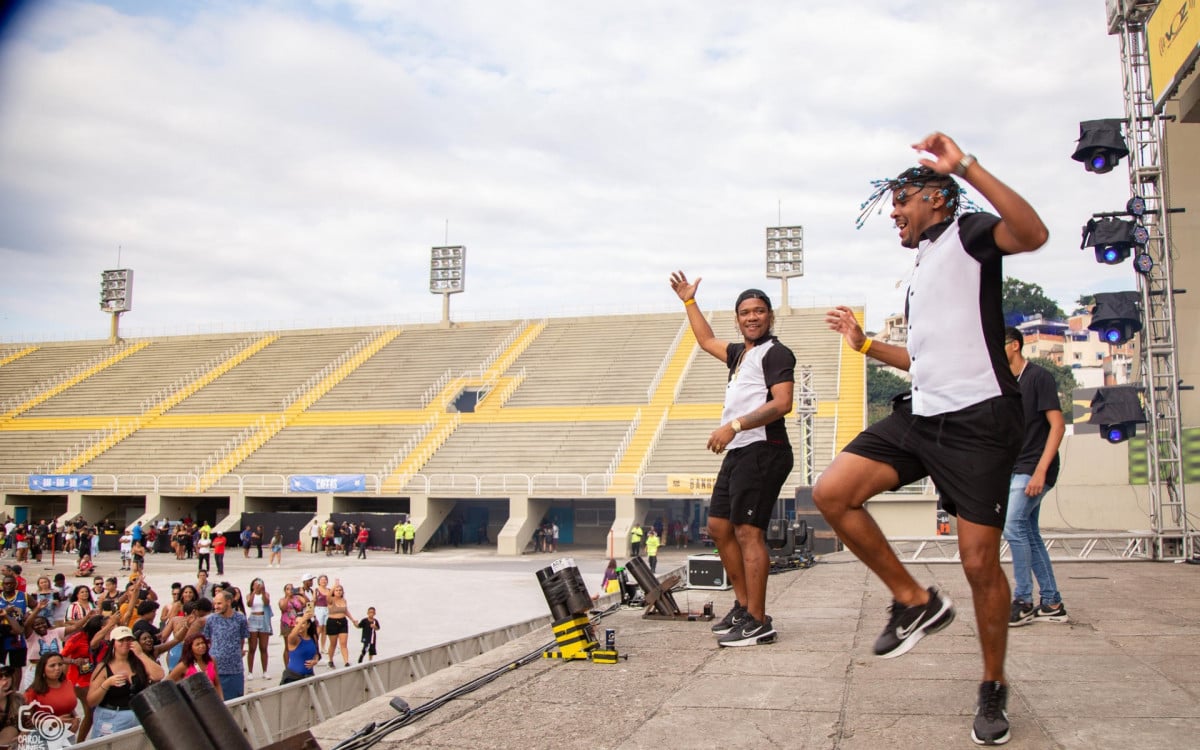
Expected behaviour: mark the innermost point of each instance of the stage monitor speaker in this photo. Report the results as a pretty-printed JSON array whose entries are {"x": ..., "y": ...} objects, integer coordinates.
[{"x": 706, "y": 572}]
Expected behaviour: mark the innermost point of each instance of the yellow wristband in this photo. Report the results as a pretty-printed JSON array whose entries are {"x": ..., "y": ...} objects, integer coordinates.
[
  {"x": 865, "y": 347},
  {"x": 691, "y": 301}
]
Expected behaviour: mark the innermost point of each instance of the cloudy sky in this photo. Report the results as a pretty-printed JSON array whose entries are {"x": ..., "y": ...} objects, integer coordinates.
[{"x": 282, "y": 164}]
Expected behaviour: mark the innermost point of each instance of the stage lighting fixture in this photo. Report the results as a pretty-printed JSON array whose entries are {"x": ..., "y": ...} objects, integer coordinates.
[
  {"x": 1118, "y": 411},
  {"x": 1100, "y": 145},
  {"x": 1116, "y": 316},
  {"x": 1114, "y": 240},
  {"x": 1136, "y": 206},
  {"x": 1143, "y": 263}
]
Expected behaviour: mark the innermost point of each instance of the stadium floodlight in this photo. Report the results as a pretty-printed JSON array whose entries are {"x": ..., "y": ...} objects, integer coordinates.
[
  {"x": 447, "y": 274},
  {"x": 1114, "y": 240},
  {"x": 1116, "y": 316},
  {"x": 116, "y": 297},
  {"x": 1101, "y": 146},
  {"x": 116, "y": 290},
  {"x": 785, "y": 258},
  {"x": 1118, "y": 411}
]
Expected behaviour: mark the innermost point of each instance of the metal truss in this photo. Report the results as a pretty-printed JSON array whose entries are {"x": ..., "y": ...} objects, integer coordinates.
[
  {"x": 1098, "y": 547},
  {"x": 805, "y": 400},
  {"x": 1144, "y": 129}
]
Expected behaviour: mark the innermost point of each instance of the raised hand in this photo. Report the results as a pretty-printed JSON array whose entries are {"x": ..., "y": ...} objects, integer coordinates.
[
  {"x": 685, "y": 289},
  {"x": 841, "y": 319},
  {"x": 945, "y": 152}
]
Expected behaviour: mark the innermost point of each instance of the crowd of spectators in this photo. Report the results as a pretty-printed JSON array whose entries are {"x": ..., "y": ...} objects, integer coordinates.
[{"x": 73, "y": 654}]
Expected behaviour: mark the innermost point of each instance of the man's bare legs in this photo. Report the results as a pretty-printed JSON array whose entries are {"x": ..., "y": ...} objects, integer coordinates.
[
  {"x": 979, "y": 548},
  {"x": 840, "y": 495},
  {"x": 743, "y": 551}
]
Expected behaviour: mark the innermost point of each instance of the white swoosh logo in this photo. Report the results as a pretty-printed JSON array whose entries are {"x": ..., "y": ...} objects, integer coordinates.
[{"x": 906, "y": 632}]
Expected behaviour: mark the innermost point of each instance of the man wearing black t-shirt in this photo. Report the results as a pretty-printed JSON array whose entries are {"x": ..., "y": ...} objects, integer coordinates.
[
  {"x": 961, "y": 425},
  {"x": 1035, "y": 472},
  {"x": 757, "y": 397}
]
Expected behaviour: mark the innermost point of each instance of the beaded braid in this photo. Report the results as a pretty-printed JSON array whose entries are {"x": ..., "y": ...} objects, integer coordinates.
[{"x": 915, "y": 179}]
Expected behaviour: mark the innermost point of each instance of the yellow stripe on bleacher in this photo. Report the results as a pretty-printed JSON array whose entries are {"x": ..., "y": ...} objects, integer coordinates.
[
  {"x": 17, "y": 355},
  {"x": 852, "y": 394},
  {"x": 660, "y": 405},
  {"x": 53, "y": 391}
]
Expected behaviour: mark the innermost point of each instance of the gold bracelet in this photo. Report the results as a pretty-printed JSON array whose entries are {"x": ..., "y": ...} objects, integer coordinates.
[
  {"x": 691, "y": 301},
  {"x": 865, "y": 347}
]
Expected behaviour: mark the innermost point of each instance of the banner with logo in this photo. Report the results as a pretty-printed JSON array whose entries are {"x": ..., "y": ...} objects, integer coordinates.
[
  {"x": 327, "y": 483},
  {"x": 60, "y": 482}
]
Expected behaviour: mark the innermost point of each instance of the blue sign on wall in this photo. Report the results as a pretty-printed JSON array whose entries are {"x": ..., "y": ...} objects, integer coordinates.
[
  {"x": 327, "y": 483},
  {"x": 59, "y": 482}
]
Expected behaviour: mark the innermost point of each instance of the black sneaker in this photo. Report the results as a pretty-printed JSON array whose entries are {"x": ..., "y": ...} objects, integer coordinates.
[
  {"x": 1022, "y": 614},
  {"x": 732, "y": 619},
  {"x": 907, "y": 625},
  {"x": 991, "y": 716},
  {"x": 1047, "y": 613},
  {"x": 750, "y": 633}
]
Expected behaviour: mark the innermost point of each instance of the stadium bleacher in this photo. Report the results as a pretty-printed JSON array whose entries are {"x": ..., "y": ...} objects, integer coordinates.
[{"x": 584, "y": 397}]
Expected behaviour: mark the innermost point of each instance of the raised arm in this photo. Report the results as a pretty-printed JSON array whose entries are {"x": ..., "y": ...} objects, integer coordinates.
[
  {"x": 700, "y": 327},
  {"x": 842, "y": 320},
  {"x": 1020, "y": 229}
]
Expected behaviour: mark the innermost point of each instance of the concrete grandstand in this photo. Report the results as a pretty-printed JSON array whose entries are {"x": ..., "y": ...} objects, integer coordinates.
[{"x": 594, "y": 421}]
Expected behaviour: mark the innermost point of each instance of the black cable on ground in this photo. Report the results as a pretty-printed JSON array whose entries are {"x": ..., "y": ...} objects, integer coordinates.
[{"x": 372, "y": 733}]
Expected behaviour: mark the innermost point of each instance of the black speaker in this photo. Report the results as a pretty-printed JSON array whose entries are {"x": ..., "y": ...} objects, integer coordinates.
[{"x": 706, "y": 572}]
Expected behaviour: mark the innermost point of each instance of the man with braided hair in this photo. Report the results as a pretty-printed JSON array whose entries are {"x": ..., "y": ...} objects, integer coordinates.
[{"x": 962, "y": 422}]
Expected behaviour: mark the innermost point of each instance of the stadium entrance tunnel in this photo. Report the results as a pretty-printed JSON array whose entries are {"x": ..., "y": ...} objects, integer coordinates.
[
  {"x": 32, "y": 508},
  {"x": 474, "y": 521}
]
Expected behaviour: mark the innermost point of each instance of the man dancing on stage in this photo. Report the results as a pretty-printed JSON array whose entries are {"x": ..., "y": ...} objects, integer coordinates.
[
  {"x": 962, "y": 423},
  {"x": 757, "y": 397}
]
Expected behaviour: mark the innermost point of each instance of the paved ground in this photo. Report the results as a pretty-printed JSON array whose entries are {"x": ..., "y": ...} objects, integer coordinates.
[{"x": 1124, "y": 674}]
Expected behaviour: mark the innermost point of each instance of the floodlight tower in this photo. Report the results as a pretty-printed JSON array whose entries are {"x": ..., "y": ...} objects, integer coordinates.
[
  {"x": 785, "y": 259},
  {"x": 116, "y": 297},
  {"x": 447, "y": 272}
]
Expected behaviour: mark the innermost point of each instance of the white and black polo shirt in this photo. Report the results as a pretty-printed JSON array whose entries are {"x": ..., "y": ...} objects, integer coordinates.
[
  {"x": 751, "y": 374},
  {"x": 955, "y": 318}
]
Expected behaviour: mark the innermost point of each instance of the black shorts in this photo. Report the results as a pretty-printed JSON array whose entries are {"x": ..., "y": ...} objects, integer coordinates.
[
  {"x": 369, "y": 648},
  {"x": 16, "y": 657},
  {"x": 337, "y": 626},
  {"x": 968, "y": 453},
  {"x": 748, "y": 484}
]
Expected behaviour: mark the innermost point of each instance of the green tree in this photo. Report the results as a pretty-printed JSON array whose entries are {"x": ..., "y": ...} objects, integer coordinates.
[
  {"x": 1064, "y": 381},
  {"x": 1029, "y": 300},
  {"x": 882, "y": 386},
  {"x": 1084, "y": 303}
]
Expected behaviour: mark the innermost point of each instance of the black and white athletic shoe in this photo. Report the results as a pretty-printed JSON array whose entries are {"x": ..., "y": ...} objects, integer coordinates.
[
  {"x": 908, "y": 625},
  {"x": 732, "y": 619},
  {"x": 749, "y": 633},
  {"x": 1022, "y": 613},
  {"x": 1047, "y": 613},
  {"x": 991, "y": 716}
]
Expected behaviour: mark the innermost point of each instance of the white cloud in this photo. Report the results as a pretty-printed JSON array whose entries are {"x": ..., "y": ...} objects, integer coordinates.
[{"x": 266, "y": 163}]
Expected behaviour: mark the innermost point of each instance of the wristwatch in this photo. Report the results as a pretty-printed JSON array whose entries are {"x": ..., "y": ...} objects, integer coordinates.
[
  {"x": 736, "y": 425},
  {"x": 964, "y": 164}
]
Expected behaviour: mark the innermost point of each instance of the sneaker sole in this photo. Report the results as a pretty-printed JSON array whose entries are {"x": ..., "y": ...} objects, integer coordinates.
[
  {"x": 945, "y": 615},
  {"x": 1022, "y": 621},
  {"x": 1053, "y": 618},
  {"x": 998, "y": 741},
  {"x": 757, "y": 640}
]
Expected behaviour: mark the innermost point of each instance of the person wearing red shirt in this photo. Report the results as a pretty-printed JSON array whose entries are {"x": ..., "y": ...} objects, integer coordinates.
[
  {"x": 52, "y": 693},
  {"x": 364, "y": 536},
  {"x": 218, "y": 551}
]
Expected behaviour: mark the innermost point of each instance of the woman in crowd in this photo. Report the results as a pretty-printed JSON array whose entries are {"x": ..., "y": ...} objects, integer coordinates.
[
  {"x": 81, "y": 657},
  {"x": 196, "y": 658},
  {"x": 303, "y": 651},
  {"x": 321, "y": 606},
  {"x": 291, "y": 606},
  {"x": 276, "y": 549},
  {"x": 124, "y": 672},
  {"x": 337, "y": 627},
  {"x": 10, "y": 709},
  {"x": 259, "y": 619},
  {"x": 51, "y": 689},
  {"x": 82, "y": 604},
  {"x": 177, "y": 625}
]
